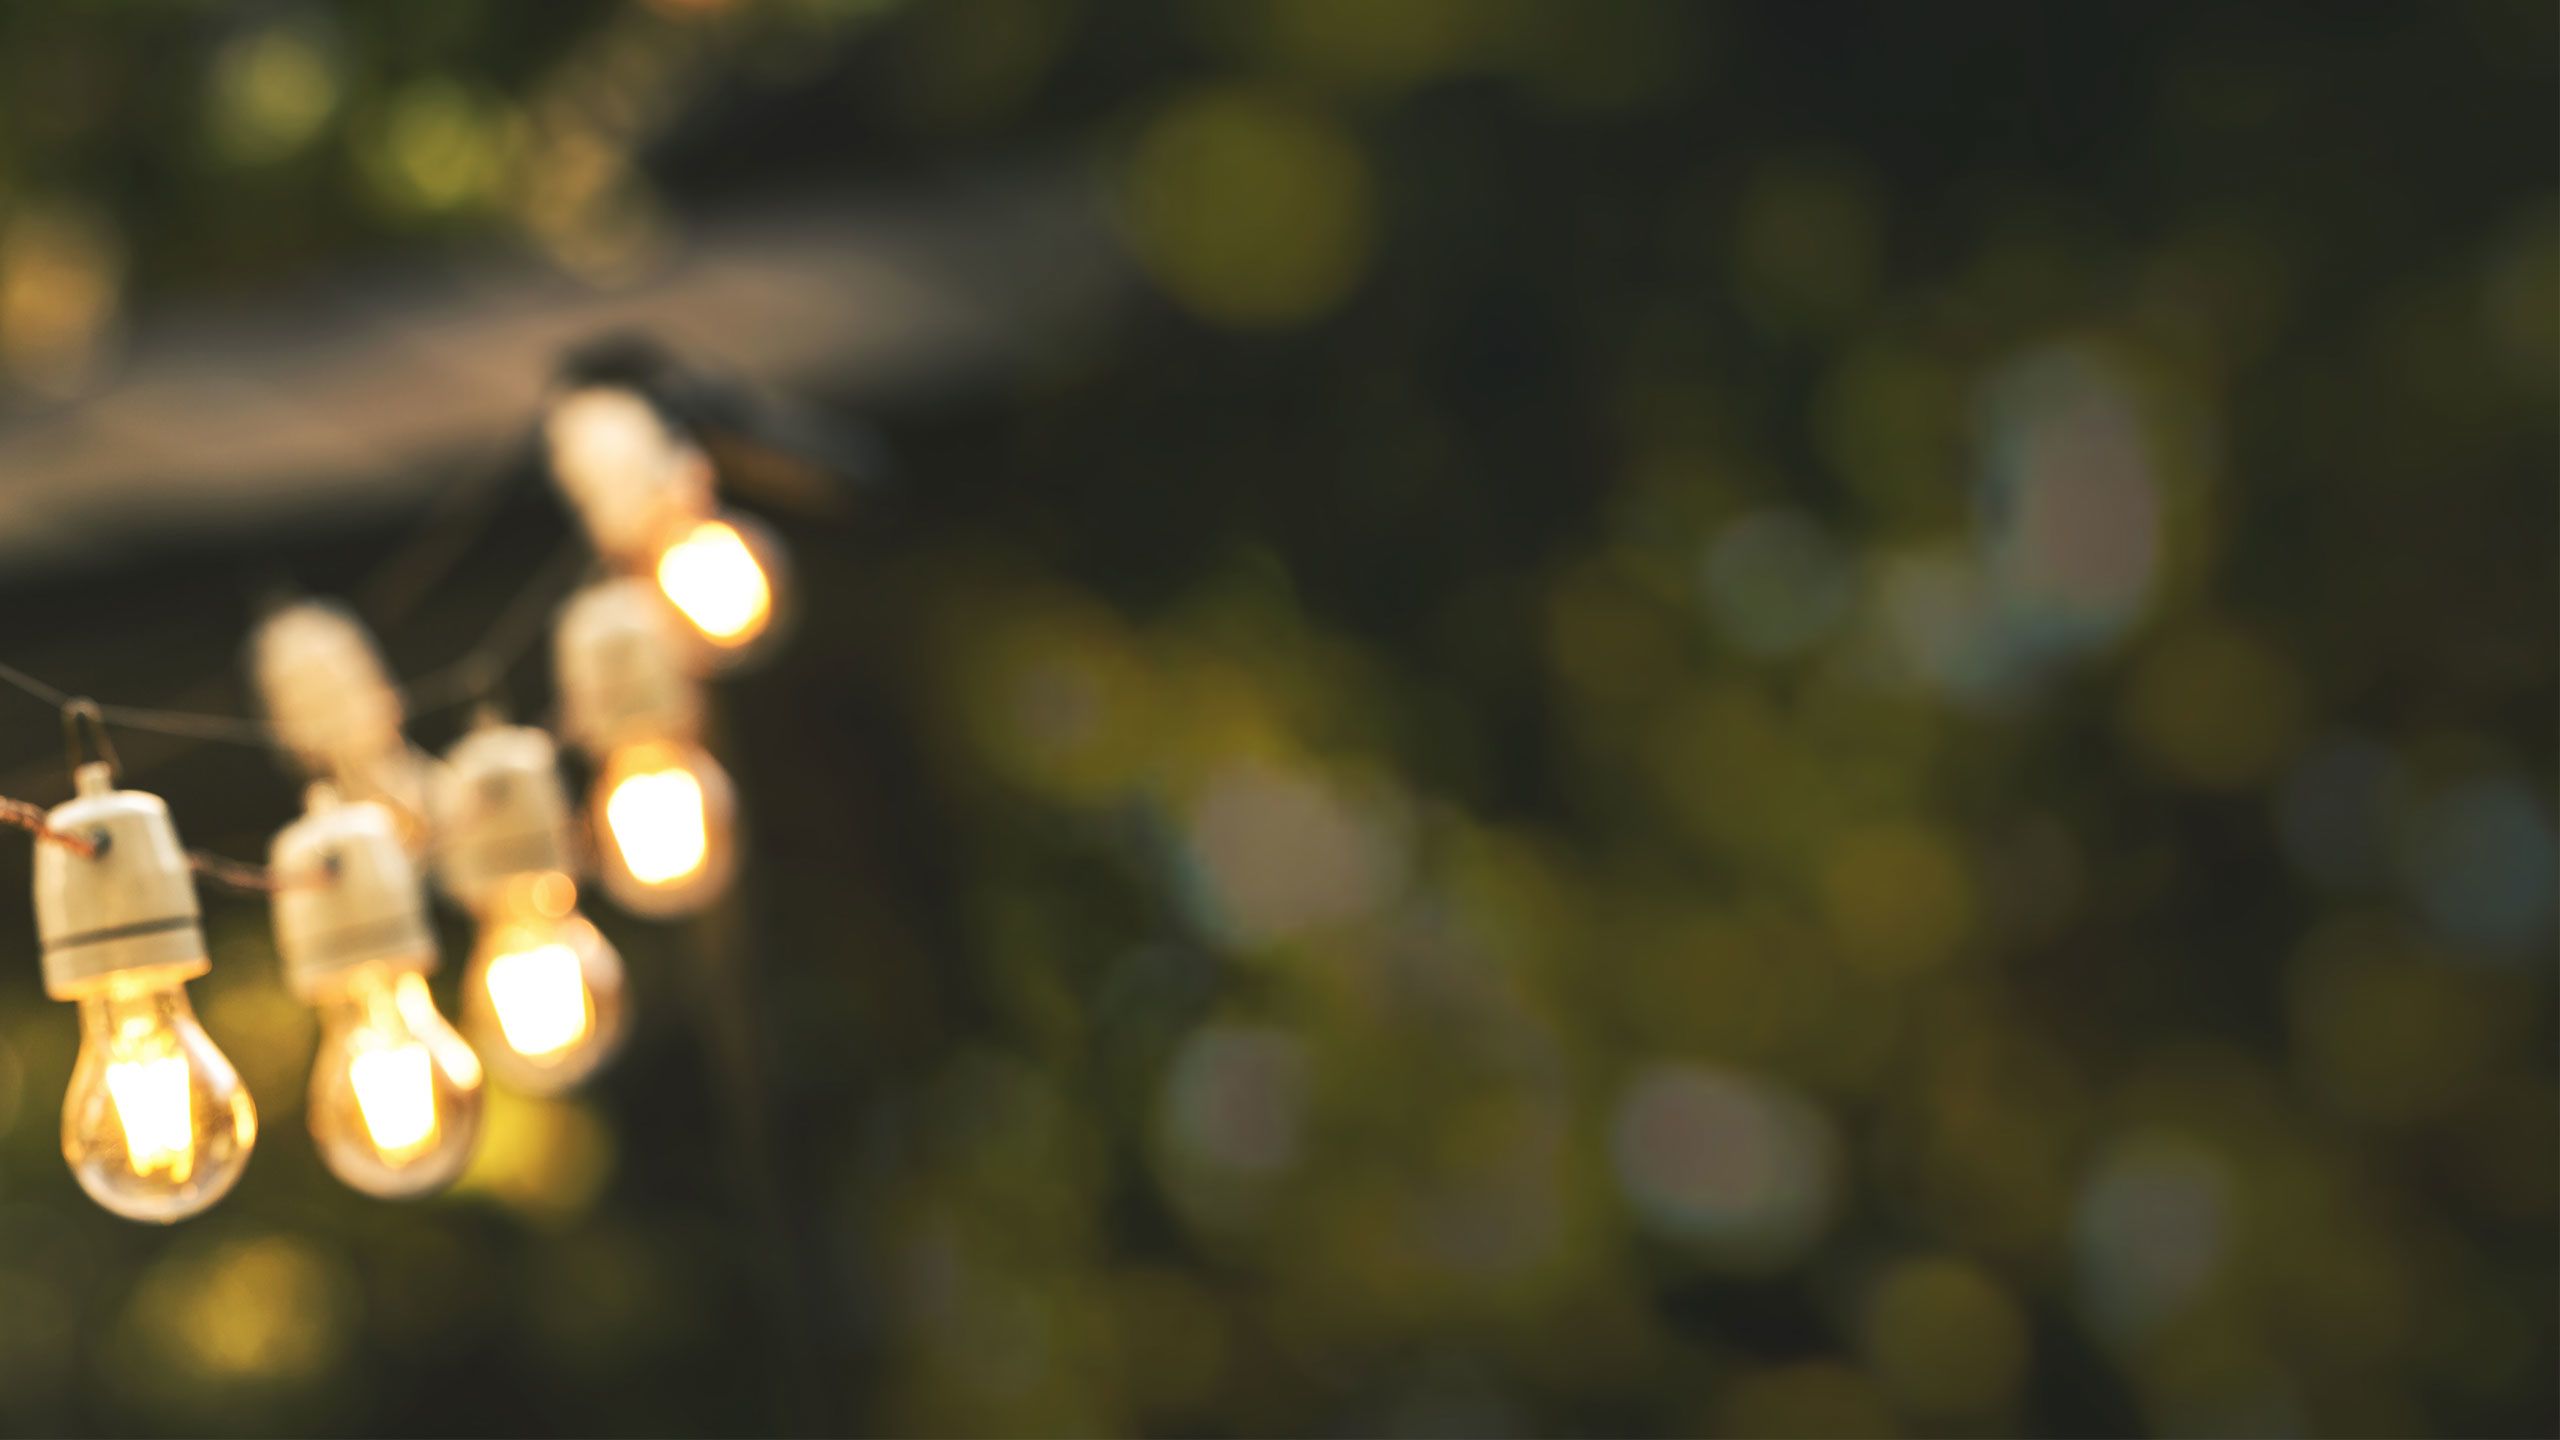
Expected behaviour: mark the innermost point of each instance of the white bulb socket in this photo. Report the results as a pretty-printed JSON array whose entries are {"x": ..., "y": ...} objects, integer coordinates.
[
  {"x": 619, "y": 661},
  {"x": 332, "y": 700},
  {"x": 633, "y": 479},
  {"x": 347, "y": 895},
  {"x": 501, "y": 810},
  {"x": 128, "y": 906},
  {"x": 326, "y": 689}
]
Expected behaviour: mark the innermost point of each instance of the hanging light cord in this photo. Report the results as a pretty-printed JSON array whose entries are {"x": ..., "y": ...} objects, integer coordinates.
[
  {"x": 30, "y": 817},
  {"x": 477, "y": 673},
  {"x": 183, "y": 724},
  {"x": 469, "y": 678},
  {"x": 234, "y": 874}
]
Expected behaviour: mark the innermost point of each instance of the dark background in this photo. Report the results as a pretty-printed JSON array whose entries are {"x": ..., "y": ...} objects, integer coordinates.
[{"x": 1757, "y": 719}]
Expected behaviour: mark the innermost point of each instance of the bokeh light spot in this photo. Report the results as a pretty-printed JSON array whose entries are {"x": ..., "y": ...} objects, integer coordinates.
[
  {"x": 269, "y": 93},
  {"x": 1054, "y": 693},
  {"x": 1229, "y": 1119},
  {"x": 1890, "y": 418},
  {"x": 2479, "y": 858},
  {"x": 2385, "y": 1036},
  {"x": 547, "y": 1160},
  {"x": 1249, "y": 209},
  {"x": 1738, "y": 1167},
  {"x": 2070, "y": 499},
  {"x": 2153, "y": 1225},
  {"x": 62, "y": 274},
  {"x": 268, "y": 1312},
  {"x": 1277, "y": 852},
  {"x": 1776, "y": 582},
  {"x": 1943, "y": 1338},
  {"x": 1941, "y": 626},
  {"x": 1898, "y": 895},
  {"x": 2213, "y": 706},
  {"x": 437, "y": 146}
]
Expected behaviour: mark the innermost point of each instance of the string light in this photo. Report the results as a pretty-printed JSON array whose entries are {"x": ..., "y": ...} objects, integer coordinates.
[
  {"x": 543, "y": 995},
  {"x": 646, "y": 495},
  {"x": 156, "y": 1125},
  {"x": 395, "y": 1093},
  {"x": 664, "y": 811}
]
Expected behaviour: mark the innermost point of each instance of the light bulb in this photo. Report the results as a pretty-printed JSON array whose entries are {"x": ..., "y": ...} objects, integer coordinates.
[
  {"x": 723, "y": 576},
  {"x": 542, "y": 997},
  {"x": 664, "y": 816},
  {"x": 395, "y": 1093},
  {"x": 543, "y": 994},
  {"x": 156, "y": 1124}
]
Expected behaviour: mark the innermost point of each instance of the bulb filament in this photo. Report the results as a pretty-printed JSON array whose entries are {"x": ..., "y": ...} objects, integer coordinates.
[{"x": 155, "y": 1104}]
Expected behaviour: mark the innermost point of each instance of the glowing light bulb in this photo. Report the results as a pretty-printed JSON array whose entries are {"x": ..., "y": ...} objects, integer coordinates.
[
  {"x": 664, "y": 814},
  {"x": 542, "y": 997},
  {"x": 715, "y": 578},
  {"x": 543, "y": 994},
  {"x": 663, "y": 808},
  {"x": 656, "y": 816},
  {"x": 155, "y": 1123},
  {"x": 395, "y": 1093}
]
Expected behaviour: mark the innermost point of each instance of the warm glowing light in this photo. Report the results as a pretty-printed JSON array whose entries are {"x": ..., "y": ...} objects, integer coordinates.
[
  {"x": 664, "y": 814},
  {"x": 155, "y": 1122},
  {"x": 551, "y": 894},
  {"x": 156, "y": 1106},
  {"x": 544, "y": 993},
  {"x": 659, "y": 824},
  {"x": 540, "y": 998},
  {"x": 396, "y": 1094},
  {"x": 716, "y": 582}
]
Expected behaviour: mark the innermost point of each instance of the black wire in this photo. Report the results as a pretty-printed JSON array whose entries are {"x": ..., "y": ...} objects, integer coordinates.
[
  {"x": 462, "y": 514},
  {"x": 469, "y": 678},
  {"x": 182, "y": 724},
  {"x": 514, "y": 629},
  {"x": 455, "y": 519},
  {"x": 34, "y": 686}
]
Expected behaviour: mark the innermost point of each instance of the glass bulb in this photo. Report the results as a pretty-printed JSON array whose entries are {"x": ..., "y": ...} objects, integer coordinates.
[
  {"x": 543, "y": 995},
  {"x": 395, "y": 1093},
  {"x": 156, "y": 1124},
  {"x": 724, "y": 577},
  {"x": 663, "y": 813}
]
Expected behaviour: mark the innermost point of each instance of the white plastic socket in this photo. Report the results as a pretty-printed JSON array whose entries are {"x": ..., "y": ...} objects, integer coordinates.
[
  {"x": 335, "y": 706},
  {"x": 633, "y": 479},
  {"x": 618, "y": 659},
  {"x": 325, "y": 687},
  {"x": 129, "y": 906},
  {"x": 346, "y": 895},
  {"x": 500, "y": 811}
]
